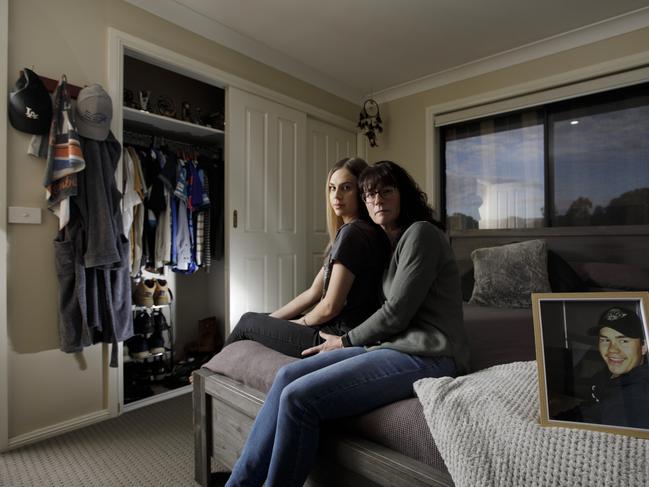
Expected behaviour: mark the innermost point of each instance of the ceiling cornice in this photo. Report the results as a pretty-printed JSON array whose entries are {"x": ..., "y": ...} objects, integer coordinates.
[
  {"x": 210, "y": 29},
  {"x": 598, "y": 31},
  {"x": 193, "y": 21}
]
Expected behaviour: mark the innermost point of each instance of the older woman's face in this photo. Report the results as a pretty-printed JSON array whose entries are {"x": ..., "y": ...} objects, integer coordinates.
[{"x": 383, "y": 206}]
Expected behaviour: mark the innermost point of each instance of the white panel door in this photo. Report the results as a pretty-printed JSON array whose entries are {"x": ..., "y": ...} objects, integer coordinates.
[
  {"x": 326, "y": 145},
  {"x": 267, "y": 210}
]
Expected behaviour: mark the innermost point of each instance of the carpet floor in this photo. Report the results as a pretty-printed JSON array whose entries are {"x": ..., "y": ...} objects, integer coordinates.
[{"x": 150, "y": 446}]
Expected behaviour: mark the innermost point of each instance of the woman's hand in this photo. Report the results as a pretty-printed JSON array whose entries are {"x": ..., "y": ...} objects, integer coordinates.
[{"x": 331, "y": 342}]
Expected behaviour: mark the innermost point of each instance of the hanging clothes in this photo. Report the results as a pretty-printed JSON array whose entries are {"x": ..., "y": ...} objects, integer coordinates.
[{"x": 92, "y": 257}]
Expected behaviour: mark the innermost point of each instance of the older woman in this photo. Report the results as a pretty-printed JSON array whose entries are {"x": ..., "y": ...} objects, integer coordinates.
[{"x": 416, "y": 333}]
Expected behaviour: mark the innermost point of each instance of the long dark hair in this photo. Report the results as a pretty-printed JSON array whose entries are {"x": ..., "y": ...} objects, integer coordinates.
[{"x": 414, "y": 202}]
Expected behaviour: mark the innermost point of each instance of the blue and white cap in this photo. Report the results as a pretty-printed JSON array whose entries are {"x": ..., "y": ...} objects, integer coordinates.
[{"x": 94, "y": 112}]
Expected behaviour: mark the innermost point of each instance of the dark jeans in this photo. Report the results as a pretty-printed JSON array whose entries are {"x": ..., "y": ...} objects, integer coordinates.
[
  {"x": 281, "y": 335},
  {"x": 283, "y": 443}
]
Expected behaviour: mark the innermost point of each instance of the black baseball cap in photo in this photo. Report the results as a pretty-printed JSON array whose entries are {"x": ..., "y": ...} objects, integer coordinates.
[
  {"x": 624, "y": 320},
  {"x": 30, "y": 105}
]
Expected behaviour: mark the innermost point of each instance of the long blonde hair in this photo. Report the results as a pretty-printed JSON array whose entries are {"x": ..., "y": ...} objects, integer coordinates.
[{"x": 355, "y": 165}]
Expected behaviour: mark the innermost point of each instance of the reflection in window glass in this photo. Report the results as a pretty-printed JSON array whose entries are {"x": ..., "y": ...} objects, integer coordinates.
[
  {"x": 599, "y": 155},
  {"x": 495, "y": 172}
]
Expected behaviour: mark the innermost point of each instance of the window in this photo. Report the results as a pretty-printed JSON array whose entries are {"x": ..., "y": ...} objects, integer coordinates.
[{"x": 577, "y": 163}]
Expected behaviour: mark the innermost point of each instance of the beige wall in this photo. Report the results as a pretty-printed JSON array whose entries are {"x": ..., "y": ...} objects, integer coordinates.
[
  {"x": 46, "y": 386},
  {"x": 404, "y": 136}
]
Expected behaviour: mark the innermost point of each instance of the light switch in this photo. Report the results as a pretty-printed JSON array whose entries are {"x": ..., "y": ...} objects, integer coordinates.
[{"x": 21, "y": 214}]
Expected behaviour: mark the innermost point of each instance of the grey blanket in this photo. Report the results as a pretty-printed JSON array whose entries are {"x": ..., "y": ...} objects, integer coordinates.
[{"x": 486, "y": 427}]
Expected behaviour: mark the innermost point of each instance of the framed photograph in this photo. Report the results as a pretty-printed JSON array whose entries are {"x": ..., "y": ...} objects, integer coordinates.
[{"x": 591, "y": 353}]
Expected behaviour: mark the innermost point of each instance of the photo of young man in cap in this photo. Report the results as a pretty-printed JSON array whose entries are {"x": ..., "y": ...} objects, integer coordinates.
[{"x": 620, "y": 393}]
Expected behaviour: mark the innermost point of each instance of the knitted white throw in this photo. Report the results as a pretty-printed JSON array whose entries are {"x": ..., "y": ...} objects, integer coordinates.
[{"x": 486, "y": 428}]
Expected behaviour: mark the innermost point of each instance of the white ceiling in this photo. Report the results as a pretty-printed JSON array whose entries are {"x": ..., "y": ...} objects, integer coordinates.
[{"x": 388, "y": 48}]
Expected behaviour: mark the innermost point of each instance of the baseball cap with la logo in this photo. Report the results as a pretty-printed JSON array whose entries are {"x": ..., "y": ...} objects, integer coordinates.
[{"x": 30, "y": 105}]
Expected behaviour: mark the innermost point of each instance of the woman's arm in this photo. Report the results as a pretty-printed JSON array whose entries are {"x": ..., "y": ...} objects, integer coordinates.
[
  {"x": 419, "y": 254},
  {"x": 334, "y": 300},
  {"x": 411, "y": 280},
  {"x": 302, "y": 301}
]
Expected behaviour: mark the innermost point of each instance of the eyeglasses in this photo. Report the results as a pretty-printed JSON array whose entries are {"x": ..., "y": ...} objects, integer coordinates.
[{"x": 384, "y": 193}]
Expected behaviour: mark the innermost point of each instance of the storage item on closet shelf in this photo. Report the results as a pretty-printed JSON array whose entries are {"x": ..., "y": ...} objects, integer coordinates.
[
  {"x": 30, "y": 105},
  {"x": 143, "y": 322},
  {"x": 94, "y": 112},
  {"x": 159, "y": 321},
  {"x": 143, "y": 295},
  {"x": 138, "y": 347},
  {"x": 156, "y": 342},
  {"x": 162, "y": 294}
]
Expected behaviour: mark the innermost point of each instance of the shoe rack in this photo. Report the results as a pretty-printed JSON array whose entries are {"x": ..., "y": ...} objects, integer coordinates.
[{"x": 149, "y": 354}]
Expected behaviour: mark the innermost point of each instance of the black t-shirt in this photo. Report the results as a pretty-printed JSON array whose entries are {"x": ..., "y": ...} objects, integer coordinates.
[{"x": 364, "y": 249}]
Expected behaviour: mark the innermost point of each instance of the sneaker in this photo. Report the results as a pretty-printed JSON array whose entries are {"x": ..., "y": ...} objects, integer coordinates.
[
  {"x": 162, "y": 294},
  {"x": 144, "y": 292},
  {"x": 142, "y": 323},
  {"x": 156, "y": 342},
  {"x": 138, "y": 347},
  {"x": 159, "y": 321}
]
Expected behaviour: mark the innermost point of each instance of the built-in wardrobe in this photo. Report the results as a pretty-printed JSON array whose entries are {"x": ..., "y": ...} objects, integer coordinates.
[
  {"x": 173, "y": 135},
  {"x": 275, "y": 156}
]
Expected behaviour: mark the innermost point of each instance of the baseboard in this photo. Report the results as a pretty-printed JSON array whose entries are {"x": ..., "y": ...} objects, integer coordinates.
[
  {"x": 57, "y": 429},
  {"x": 163, "y": 396}
]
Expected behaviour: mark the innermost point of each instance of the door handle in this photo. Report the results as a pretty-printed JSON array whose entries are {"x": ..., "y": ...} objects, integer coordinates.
[{"x": 235, "y": 218}]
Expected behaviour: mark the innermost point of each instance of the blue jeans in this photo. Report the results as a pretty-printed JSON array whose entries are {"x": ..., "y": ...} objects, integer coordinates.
[{"x": 282, "y": 446}]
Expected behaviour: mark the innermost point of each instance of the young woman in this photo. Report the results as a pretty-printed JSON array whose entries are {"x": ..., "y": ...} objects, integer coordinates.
[
  {"x": 417, "y": 333},
  {"x": 347, "y": 288}
]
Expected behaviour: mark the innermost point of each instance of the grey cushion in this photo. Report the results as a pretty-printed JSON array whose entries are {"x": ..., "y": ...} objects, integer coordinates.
[
  {"x": 498, "y": 335},
  {"x": 250, "y": 363},
  {"x": 400, "y": 426},
  {"x": 505, "y": 276}
]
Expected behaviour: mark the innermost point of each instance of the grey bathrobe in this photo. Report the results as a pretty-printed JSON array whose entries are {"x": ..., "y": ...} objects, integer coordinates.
[{"x": 92, "y": 257}]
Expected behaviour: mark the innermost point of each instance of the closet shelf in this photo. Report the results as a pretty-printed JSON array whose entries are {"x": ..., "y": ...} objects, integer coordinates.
[
  {"x": 154, "y": 124},
  {"x": 153, "y": 306}
]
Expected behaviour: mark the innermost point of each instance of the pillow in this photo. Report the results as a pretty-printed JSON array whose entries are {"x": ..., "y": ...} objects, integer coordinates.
[
  {"x": 506, "y": 276},
  {"x": 614, "y": 276},
  {"x": 249, "y": 362},
  {"x": 563, "y": 278}
]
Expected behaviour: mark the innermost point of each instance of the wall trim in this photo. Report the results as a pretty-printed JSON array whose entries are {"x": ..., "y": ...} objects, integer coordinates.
[
  {"x": 598, "y": 31},
  {"x": 4, "y": 335},
  {"x": 57, "y": 429},
  {"x": 210, "y": 29},
  {"x": 624, "y": 71}
]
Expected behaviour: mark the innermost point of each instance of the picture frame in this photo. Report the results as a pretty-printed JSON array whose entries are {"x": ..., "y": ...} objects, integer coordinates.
[{"x": 592, "y": 359}]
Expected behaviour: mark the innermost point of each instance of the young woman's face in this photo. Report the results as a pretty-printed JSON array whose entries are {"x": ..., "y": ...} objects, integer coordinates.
[
  {"x": 384, "y": 206},
  {"x": 343, "y": 194}
]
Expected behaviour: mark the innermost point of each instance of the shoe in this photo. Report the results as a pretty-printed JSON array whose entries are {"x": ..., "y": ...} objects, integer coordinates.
[
  {"x": 159, "y": 371},
  {"x": 159, "y": 321},
  {"x": 162, "y": 294},
  {"x": 156, "y": 342},
  {"x": 143, "y": 295},
  {"x": 138, "y": 347},
  {"x": 142, "y": 323}
]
